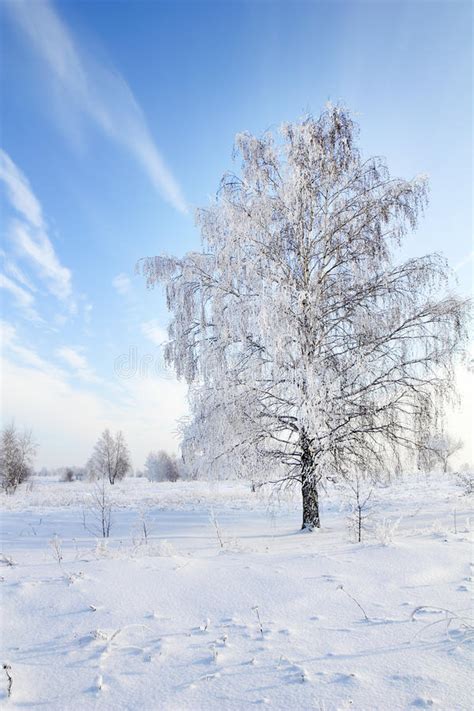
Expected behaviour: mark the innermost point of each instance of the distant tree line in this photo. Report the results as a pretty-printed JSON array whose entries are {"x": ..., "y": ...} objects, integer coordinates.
[{"x": 110, "y": 461}]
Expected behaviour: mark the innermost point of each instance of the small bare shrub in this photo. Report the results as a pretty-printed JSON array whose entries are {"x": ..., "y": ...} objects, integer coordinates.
[
  {"x": 142, "y": 528},
  {"x": 8, "y": 671},
  {"x": 358, "y": 491},
  {"x": 341, "y": 587},
  {"x": 385, "y": 530},
  {"x": 217, "y": 528},
  {"x": 257, "y": 612},
  {"x": 56, "y": 548},
  {"x": 97, "y": 514},
  {"x": 7, "y": 560}
]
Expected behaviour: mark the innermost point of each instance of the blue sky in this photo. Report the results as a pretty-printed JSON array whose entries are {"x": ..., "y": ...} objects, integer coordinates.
[{"x": 118, "y": 119}]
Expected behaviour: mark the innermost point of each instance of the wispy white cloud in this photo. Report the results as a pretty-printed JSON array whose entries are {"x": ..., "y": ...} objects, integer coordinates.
[
  {"x": 14, "y": 271},
  {"x": 29, "y": 234},
  {"x": 88, "y": 307},
  {"x": 23, "y": 354},
  {"x": 95, "y": 90},
  {"x": 24, "y": 299},
  {"x": 72, "y": 357},
  {"x": 19, "y": 192},
  {"x": 76, "y": 360},
  {"x": 35, "y": 246},
  {"x": 154, "y": 332},
  {"x": 122, "y": 284}
]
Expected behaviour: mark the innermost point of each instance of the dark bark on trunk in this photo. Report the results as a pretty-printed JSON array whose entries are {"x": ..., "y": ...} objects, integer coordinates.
[
  {"x": 311, "y": 518},
  {"x": 309, "y": 488}
]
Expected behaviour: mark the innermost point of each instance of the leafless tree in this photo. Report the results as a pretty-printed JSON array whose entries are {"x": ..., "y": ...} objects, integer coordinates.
[
  {"x": 436, "y": 450},
  {"x": 110, "y": 458},
  {"x": 308, "y": 347},
  {"x": 97, "y": 514},
  {"x": 160, "y": 466},
  {"x": 447, "y": 447},
  {"x": 17, "y": 451},
  {"x": 68, "y": 474}
]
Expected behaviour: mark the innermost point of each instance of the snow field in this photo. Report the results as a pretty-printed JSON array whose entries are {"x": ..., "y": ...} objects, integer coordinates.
[{"x": 226, "y": 605}]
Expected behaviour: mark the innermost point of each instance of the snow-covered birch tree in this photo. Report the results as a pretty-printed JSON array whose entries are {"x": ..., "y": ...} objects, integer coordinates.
[
  {"x": 17, "y": 452},
  {"x": 110, "y": 458},
  {"x": 309, "y": 348}
]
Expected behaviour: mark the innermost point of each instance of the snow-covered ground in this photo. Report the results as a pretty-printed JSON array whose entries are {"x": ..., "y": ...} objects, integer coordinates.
[{"x": 227, "y": 605}]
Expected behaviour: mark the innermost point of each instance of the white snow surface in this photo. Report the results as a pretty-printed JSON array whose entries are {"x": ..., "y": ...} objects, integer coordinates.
[{"x": 173, "y": 623}]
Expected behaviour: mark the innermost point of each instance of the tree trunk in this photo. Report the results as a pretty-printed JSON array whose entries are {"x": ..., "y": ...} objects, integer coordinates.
[{"x": 309, "y": 489}]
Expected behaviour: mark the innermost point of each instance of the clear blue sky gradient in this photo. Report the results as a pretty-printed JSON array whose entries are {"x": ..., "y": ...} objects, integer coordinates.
[{"x": 202, "y": 71}]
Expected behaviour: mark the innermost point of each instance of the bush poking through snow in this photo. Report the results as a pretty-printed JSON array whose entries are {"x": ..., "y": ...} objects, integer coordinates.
[
  {"x": 217, "y": 528},
  {"x": 205, "y": 626},
  {"x": 358, "y": 492},
  {"x": 385, "y": 530},
  {"x": 156, "y": 549},
  {"x": 8, "y": 671},
  {"x": 144, "y": 525},
  {"x": 256, "y": 610},
  {"x": 341, "y": 587},
  {"x": 56, "y": 549},
  {"x": 7, "y": 560}
]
